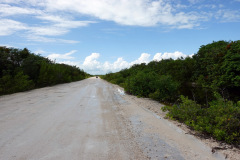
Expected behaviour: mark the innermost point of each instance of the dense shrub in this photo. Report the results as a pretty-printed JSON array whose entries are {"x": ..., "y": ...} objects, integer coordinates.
[
  {"x": 165, "y": 88},
  {"x": 140, "y": 84},
  {"x": 210, "y": 79},
  {"x": 21, "y": 70},
  {"x": 17, "y": 83},
  {"x": 221, "y": 119}
]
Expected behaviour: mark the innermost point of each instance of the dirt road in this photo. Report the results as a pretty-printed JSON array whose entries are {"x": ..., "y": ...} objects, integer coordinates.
[{"x": 90, "y": 119}]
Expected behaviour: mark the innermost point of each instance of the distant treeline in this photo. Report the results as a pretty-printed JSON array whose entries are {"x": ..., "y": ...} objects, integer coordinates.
[
  {"x": 21, "y": 70},
  {"x": 204, "y": 89}
]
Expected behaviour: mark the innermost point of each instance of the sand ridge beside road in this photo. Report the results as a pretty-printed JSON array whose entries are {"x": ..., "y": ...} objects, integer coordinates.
[{"x": 90, "y": 119}]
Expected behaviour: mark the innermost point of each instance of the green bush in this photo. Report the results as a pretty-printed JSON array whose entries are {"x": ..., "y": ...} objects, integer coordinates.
[
  {"x": 21, "y": 70},
  {"x": 221, "y": 119},
  {"x": 18, "y": 83},
  {"x": 165, "y": 88},
  {"x": 187, "y": 111},
  {"x": 22, "y": 83},
  {"x": 211, "y": 80}
]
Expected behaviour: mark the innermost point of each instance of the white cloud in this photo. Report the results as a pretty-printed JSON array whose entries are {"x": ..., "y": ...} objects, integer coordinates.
[
  {"x": 228, "y": 15},
  {"x": 57, "y": 25},
  {"x": 194, "y": 1},
  {"x": 66, "y": 41},
  {"x": 120, "y": 63},
  {"x": 91, "y": 59},
  {"x": 58, "y": 17},
  {"x": 6, "y": 45},
  {"x": 144, "y": 58},
  {"x": 26, "y": 2},
  {"x": 145, "y": 13},
  {"x": 47, "y": 31},
  {"x": 50, "y": 24},
  {"x": 39, "y": 51},
  {"x": 37, "y": 38},
  {"x": 92, "y": 65},
  {"x": 52, "y": 28},
  {"x": 61, "y": 21},
  {"x": 65, "y": 56},
  {"x": 8, "y": 27},
  {"x": 8, "y": 10},
  {"x": 167, "y": 55},
  {"x": 209, "y": 6},
  {"x": 70, "y": 63},
  {"x": 116, "y": 66}
]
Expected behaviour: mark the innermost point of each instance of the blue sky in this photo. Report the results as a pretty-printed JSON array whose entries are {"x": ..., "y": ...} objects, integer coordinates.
[{"x": 102, "y": 36}]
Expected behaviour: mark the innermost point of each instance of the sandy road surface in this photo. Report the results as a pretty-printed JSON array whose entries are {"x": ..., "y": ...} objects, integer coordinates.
[{"x": 90, "y": 119}]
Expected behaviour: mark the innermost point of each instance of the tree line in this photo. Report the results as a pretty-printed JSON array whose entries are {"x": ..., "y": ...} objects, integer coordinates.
[
  {"x": 202, "y": 91},
  {"x": 21, "y": 70}
]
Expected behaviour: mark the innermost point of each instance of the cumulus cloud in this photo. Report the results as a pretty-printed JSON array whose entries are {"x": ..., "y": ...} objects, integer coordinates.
[
  {"x": 119, "y": 64},
  {"x": 167, "y": 55},
  {"x": 93, "y": 65},
  {"x": 144, "y": 58}
]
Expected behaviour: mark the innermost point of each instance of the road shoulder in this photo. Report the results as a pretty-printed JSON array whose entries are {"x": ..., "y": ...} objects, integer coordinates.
[{"x": 212, "y": 148}]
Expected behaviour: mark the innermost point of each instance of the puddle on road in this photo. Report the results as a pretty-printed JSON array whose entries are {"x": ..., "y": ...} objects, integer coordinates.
[
  {"x": 118, "y": 98},
  {"x": 121, "y": 91}
]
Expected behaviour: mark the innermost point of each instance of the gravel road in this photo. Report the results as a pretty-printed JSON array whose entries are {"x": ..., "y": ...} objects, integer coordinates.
[{"x": 89, "y": 119}]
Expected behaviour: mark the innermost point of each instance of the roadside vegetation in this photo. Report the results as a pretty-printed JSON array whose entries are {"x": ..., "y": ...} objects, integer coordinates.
[
  {"x": 202, "y": 91},
  {"x": 21, "y": 70}
]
